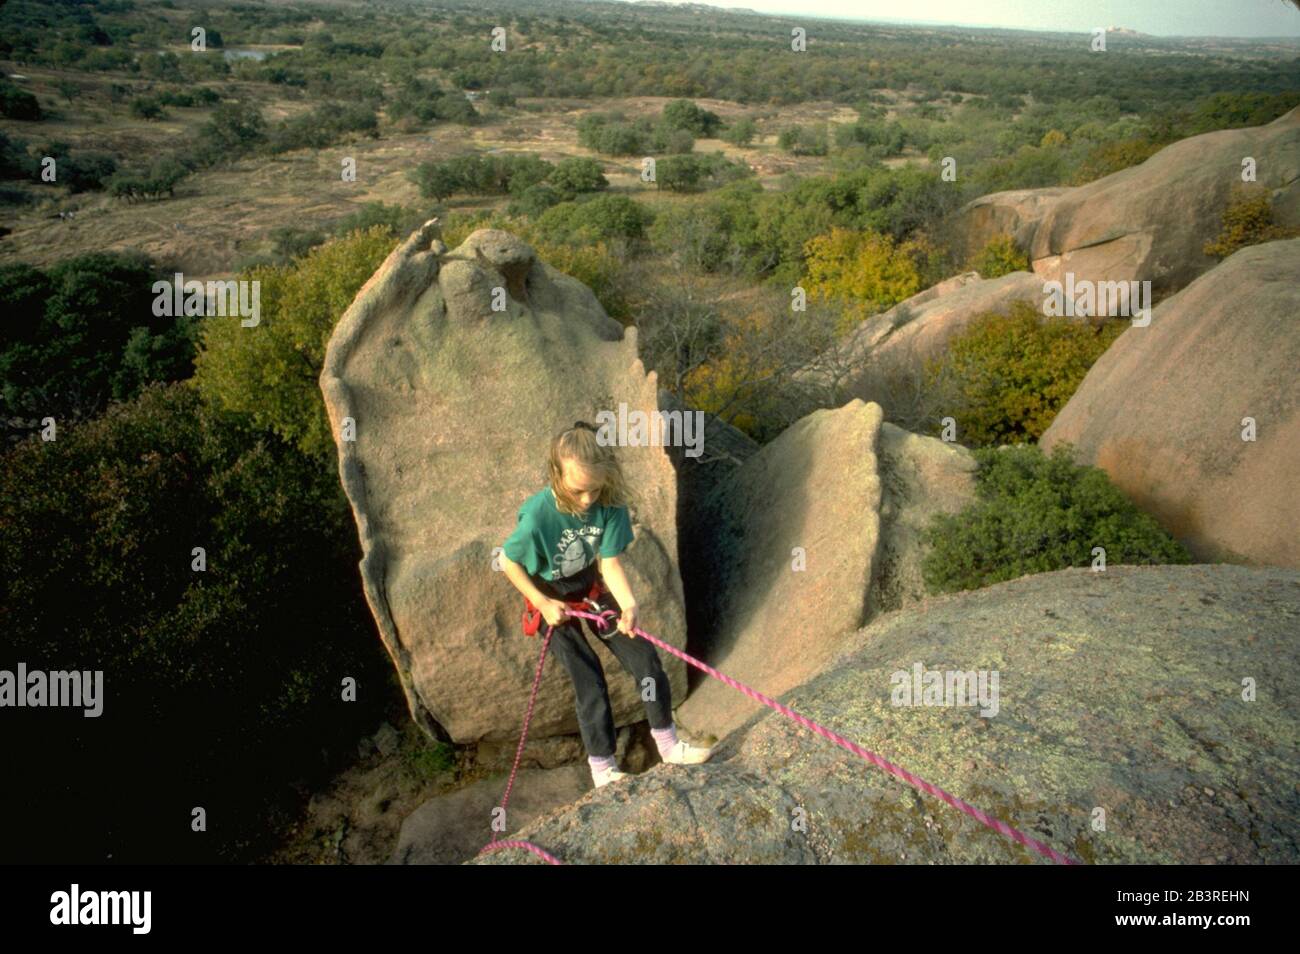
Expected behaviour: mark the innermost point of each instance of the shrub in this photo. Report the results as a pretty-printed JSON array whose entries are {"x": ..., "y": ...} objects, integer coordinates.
[
  {"x": 231, "y": 131},
  {"x": 1036, "y": 514},
  {"x": 678, "y": 173},
  {"x": 159, "y": 180},
  {"x": 534, "y": 200},
  {"x": 14, "y": 161},
  {"x": 596, "y": 266},
  {"x": 1247, "y": 220},
  {"x": 741, "y": 132},
  {"x": 804, "y": 140},
  {"x": 1000, "y": 256},
  {"x": 1110, "y": 157},
  {"x": 610, "y": 135},
  {"x": 80, "y": 171},
  {"x": 17, "y": 103},
  {"x": 146, "y": 107},
  {"x": 189, "y": 98},
  {"x": 323, "y": 126},
  {"x": 863, "y": 267},
  {"x": 576, "y": 175},
  {"x": 1011, "y": 372},
  {"x": 601, "y": 217},
  {"x": 480, "y": 175},
  {"x": 684, "y": 114}
]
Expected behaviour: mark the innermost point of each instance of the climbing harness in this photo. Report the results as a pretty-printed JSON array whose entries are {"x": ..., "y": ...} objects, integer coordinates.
[
  {"x": 605, "y": 618},
  {"x": 533, "y": 616}
]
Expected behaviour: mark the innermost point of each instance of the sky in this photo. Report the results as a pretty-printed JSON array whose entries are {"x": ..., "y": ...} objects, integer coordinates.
[{"x": 1159, "y": 17}]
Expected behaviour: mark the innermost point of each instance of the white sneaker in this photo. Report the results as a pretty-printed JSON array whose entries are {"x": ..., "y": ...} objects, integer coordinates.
[
  {"x": 683, "y": 753},
  {"x": 607, "y": 776}
]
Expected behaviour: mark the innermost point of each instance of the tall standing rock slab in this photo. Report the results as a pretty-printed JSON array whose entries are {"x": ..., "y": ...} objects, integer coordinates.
[
  {"x": 1162, "y": 410},
  {"x": 789, "y": 565},
  {"x": 443, "y": 408}
]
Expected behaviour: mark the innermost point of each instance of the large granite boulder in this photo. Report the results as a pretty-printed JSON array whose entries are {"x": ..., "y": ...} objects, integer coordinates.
[
  {"x": 1147, "y": 222},
  {"x": 1168, "y": 697},
  {"x": 443, "y": 408},
  {"x": 1161, "y": 411}
]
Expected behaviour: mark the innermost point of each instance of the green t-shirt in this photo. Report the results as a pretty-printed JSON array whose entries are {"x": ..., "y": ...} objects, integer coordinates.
[{"x": 557, "y": 545}]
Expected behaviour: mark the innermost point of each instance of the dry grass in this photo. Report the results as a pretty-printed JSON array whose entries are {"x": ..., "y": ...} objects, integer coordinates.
[{"x": 220, "y": 217}]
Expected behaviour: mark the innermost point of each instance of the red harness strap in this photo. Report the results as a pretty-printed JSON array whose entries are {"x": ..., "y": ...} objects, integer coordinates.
[{"x": 533, "y": 616}]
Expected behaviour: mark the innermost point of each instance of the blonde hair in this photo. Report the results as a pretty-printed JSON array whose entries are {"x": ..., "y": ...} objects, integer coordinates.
[{"x": 579, "y": 444}]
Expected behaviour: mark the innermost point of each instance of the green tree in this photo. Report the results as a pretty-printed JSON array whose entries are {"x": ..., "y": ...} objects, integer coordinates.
[
  {"x": 97, "y": 533},
  {"x": 678, "y": 173},
  {"x": 601, "y": 217},
  {"x": 1011, "y": 372},
  {"x": 269, "y": 374},
  {"x": 83, "y": 333},
  {"x": 576, "y": 175},
  {"x": 741, "y": 132},
  {"x": 684, "y": 114},
  {"x": 1036, "y": 514}
]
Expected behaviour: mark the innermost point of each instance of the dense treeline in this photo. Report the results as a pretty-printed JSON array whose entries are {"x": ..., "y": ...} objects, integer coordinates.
[{"x": 561, "y": 48}]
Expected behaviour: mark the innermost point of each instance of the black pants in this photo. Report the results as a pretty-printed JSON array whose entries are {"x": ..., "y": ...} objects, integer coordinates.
[{"x": 638, "y": 656}]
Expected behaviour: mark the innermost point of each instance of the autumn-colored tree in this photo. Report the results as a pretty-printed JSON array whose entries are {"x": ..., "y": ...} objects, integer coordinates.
[
  {"x": 865, "y": 268},
  {"x": 1247, "y": 220},
  {"x": 1000, "y": 256}
]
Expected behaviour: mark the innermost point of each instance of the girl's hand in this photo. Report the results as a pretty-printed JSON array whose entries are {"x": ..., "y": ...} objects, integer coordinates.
[
  {"x": 553, "y": 611},
  {"x": 627, "y": 622}
]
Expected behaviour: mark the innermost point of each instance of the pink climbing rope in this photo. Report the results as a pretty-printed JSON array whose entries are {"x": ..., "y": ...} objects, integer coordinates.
[
  {"x": 982, "y": 817},
  {"x": 494, "y": 844}
]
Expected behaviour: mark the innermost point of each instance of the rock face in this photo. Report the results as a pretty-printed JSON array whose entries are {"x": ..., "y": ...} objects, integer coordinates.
[
  {"x": 454, "y": 827},
  {"x": 1150, "y": 221},
  {"x": 453, "y": 405},
  {"x": 920, "y": 477},
  {"x": 1015, "y": 212},
  {"x": 1161, "y": 411},
  {"x": 1119, "y": 690},
  {"x": 797, "y": 547}
]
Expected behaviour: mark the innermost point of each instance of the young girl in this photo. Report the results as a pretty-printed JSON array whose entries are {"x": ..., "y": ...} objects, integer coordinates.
[{"x": 569, "y": 535}]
